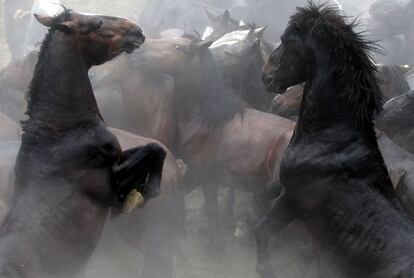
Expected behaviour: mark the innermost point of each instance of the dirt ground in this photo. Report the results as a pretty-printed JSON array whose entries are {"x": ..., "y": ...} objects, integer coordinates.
[{"x": 293, "y": 255}]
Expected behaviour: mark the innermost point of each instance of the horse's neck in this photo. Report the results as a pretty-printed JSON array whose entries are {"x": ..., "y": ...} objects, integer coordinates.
[
  {"x": 61, "y": 94},
  {"x": 321, "y": 109}
]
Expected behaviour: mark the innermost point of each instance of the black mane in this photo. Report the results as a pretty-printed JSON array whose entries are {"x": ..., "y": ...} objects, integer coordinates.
[
  {"x": 355, "y": 69},
  {"x": 34, "y": 96},
  {"x": 216, "y": 107}
]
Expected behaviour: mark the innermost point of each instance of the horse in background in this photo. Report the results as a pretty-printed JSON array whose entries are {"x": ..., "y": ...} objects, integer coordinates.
[
  {"x": 69, "y": 163},
  {"x": 221, "y": 140},
  {"x": 9, "y": 129},
  {"x": 333, "y": 175},
  {"x": 15, "y": 78},
  {"x": 397, "y": 120},
  {"x": 239, "y": 56},
  {"x": 16, "y": 21},
  {"x": 159, "y": 15},
  {"x": 219, "y": 25}
]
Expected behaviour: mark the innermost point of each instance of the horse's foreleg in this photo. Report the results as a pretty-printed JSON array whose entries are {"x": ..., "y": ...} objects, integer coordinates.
[
  {"x": 228, "y": 216},
  {"x": 262, "y": 200},
  {"x": 279, "y": 216},
  {"x": 141, "y": 169},
  {"x": 210, "y": 191}
]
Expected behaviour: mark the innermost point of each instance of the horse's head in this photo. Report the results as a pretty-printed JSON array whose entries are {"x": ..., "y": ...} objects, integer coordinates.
[
  {"x": 239, "y": 56},
  {"x": 287, "y": 65},
  {"x": 240, "y": 48},
  {"x": 174, "y": 57},
  {"x": 223, "y": 22},
  {"x": 98, "y": 38}
]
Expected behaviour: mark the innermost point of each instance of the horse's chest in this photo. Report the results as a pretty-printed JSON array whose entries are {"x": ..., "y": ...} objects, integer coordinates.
[
  {"x": 307, "y": 172},
  {"x": 305, "y": 163}
]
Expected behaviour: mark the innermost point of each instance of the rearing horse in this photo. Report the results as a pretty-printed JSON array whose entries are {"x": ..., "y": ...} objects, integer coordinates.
[
  {"x": 70, "y": 168},
  {"x": 333, "y": 173}
]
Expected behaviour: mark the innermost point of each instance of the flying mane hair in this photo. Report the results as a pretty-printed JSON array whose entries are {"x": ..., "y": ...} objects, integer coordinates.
[{"x": 356, "y": 70}]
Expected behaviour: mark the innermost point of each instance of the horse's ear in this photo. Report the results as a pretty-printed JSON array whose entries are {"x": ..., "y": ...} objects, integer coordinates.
[
  {"x": 259, "y": 31},
  {"x": 65, "y": 27},
  {"x": 45, "y": 20},
  {"x": 203, "y": 44},
  {"x": 226, "y": 14},
  {"x": 212, "y": 17}
]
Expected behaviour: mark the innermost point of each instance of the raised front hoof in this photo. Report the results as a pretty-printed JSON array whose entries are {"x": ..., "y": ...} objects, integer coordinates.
[
  {"x": 149, "y": 191},
  {"x": 265, "y": 271}
]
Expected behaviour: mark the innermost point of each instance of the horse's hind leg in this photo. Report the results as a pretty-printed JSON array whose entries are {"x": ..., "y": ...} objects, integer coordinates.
[{"x": 279, "y": 216}]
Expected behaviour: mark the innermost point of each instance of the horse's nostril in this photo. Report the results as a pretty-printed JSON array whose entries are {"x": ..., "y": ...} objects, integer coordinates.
[{"x": 142, "y": 38}]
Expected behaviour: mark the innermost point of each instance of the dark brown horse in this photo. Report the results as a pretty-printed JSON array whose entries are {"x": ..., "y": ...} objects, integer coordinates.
[
  {"x": 70, "y": 168},
  {"x": 158, "y": 224},
  {"x": 333, "y": 173},
  {"x": 221, "y": 140}
]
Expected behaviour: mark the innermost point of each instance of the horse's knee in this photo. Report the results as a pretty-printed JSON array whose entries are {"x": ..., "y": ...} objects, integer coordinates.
[{"x": 157, "y": 150}]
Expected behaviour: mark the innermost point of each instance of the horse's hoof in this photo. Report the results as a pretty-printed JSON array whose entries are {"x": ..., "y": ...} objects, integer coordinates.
[
  {"x": 242, "y": 230},
  {"x": 265, "y": 271},
  {"x": 132, "y": 201}
]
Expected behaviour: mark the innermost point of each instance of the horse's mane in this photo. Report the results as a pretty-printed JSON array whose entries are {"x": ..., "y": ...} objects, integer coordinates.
[
  {"x": 34, "y": 94},
  {"x": 356, "y": 71},
  {"x": 216, "y": 107}
]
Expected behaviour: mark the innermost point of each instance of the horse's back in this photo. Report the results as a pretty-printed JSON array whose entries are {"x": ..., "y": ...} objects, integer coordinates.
[{"x": 252, "y": 145}]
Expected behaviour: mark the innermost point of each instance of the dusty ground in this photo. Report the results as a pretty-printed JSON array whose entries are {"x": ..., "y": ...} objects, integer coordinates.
[{"x": 293, "y": 255}]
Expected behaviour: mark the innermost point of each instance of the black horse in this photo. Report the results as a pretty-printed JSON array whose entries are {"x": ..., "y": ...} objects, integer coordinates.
[
  {"x": 70, "y": 168},
  {"x": 333, "y": 174}
]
